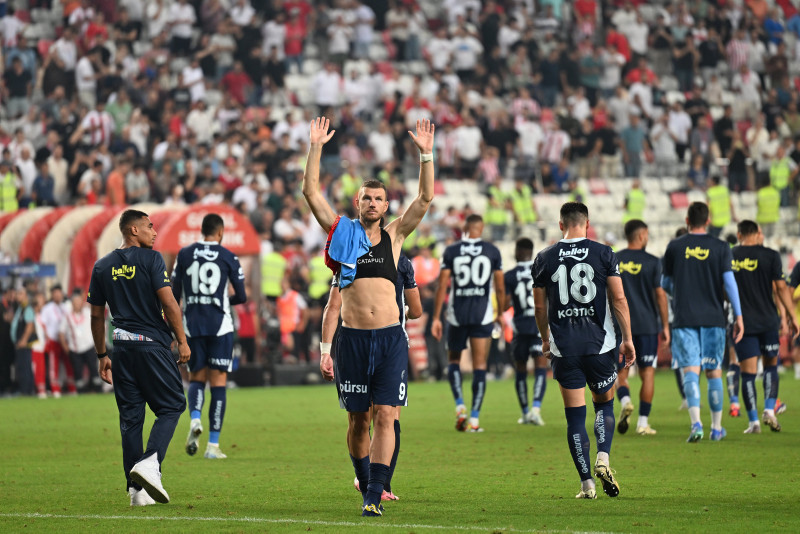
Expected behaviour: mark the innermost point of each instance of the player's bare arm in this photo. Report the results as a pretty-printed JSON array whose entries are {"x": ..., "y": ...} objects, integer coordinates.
[
  {"x": 616, "y": 294},
  {"x": 173, "y": 314},
  {"x": 413, "y": 303},
  {"x": 319, "y": 135},
  {"x": 542, "y": 323},
  {"x": 438, "y": 302},
  {"x": 411, "y": 217},
  {"x": 330, "y": 317},
  {"x": 97, "y": 322},
  {"x": 784, "y": 294},
  {"x": 663, "y": 312}
]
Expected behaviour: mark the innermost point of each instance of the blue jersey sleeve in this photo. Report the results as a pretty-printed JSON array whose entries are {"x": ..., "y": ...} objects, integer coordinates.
[
  {"x": 777, "y": 267},
  {"x": 794, "y": 278},
  {"x": 236, "y": 276},
  {"x": 447, "y": 258},
  {"x": 159, "y": 277},
  {"x": 537, "y": 271},
  {"x": 508, "y": 279},
  {"x": 497, "y": 260},
  {"x": 96, "y": 296},
  {"x": 611, "y": 261},
  {"x": 667, "y": 261},
  {"x": 405, "y": 271}
]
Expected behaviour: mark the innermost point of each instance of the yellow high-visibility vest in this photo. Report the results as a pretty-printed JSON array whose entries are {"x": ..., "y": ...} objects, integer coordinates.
[{"x": 719, "y": 204}]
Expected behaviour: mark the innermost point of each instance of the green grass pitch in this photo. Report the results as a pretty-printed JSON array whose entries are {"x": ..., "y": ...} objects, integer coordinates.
[{"x": 288, "y": 470}]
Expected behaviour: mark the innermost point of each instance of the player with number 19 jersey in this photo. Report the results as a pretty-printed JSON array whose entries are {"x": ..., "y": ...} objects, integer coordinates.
[
  {"x": 200, "y": 278},
  {"x": 574, "y": 272},
  {"x": 472, "y": 262}
]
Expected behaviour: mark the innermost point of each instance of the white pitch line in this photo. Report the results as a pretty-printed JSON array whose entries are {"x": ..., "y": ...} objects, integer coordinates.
[{"x": 34, "y": 515}]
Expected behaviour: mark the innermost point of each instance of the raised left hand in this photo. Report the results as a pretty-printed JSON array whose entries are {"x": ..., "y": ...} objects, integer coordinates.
[{"x": 424, "y": 136}]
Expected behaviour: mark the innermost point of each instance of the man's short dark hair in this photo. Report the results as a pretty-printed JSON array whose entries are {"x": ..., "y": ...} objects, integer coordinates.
[
  {"x": 473, "y": 218},
  {"x": 524, "y": 244},
  {"x": 697, "y": 215},
  {"x": 130, "y": 218},
  {"x": 632, "y": 227},
  {"x": 374, "y": 184},
  {"x": 212, "y": 223},
  {"x": 747, "y": 227},
  {"x": 574, "y": 213}
]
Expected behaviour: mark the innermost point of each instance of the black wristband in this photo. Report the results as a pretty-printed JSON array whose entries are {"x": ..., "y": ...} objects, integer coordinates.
[{"x": 101, "y": 356}]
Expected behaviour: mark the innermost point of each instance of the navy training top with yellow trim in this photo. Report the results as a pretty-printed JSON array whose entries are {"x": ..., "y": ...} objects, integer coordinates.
[
  {"x": 696, "y": 263},
  {"x": 575, "y": 273},
  {"x": 200, "y": 278},
  {"x": 641, "y": 276},
  {"x": 127, "y": 279},
  {"x": 755, "y": 268}
]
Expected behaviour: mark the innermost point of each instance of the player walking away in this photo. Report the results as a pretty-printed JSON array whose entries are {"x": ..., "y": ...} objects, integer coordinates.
[
  {"x": 476, "y": 268},
  {"x": 133, "y": 281},
  {"x": 696, "y": 268},
  {"x": 641, "y": 279},
  {"x": 410, "y": 306},
  {"x": 759, "y": 272},
  {"x": 575, "y": 282},
  {"x": 372, "y": 362},
  {"x": 200, "y": 281},
  {"x": 527, "y": 343},
  {"x": 794, "y": 287}
]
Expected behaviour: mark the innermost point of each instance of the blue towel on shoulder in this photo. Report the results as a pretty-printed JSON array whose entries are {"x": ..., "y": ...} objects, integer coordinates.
[{"x": 347, "y": 241}]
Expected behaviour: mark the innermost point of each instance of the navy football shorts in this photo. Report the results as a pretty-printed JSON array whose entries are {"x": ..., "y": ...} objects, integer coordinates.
[
  {"x": 765, "y": 344},
  {"x": 457, "y": 335},
  {"x": 371, "y": 368},
  {"x": 214, "y": 352},
  {"x": 525, "y": 346},
  {"x": 574, "y": 372},
  {"x": 646, "y": 347}
]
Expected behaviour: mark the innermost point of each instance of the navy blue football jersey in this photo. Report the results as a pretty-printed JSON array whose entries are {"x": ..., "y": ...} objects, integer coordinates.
[
  {"x": 405, "y": 280},
  {"x": 200, "y": 279},
  {"x": 574, "y": 272},
  {"x": 472, "y": 263},
  {"x": 128, "y": 279},
  {"x": 519, "y": 283},
  {"x": 696, "y": 263},
  {"x": 755, "y": 269},
  {"x": 641, "y": 276}
]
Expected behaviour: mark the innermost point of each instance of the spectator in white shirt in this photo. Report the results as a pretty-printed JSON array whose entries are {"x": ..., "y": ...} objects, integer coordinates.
[
  {"x": 194, "y": 80},
  {"x": 273, "y": 34},
  {"x": 663, "y": 142},
  {"x": 468, "y": 149},
  {"x": 466, "y": 52},
  {"x": 75, "y": 336},
  {"x": 158, "y": 15},
  {"x": 181, "y": 19},
  {"x": 680, "y": 124},
  {"x": 439, "y": 50},
  {"x": 748, "y": 86},
  {"x": 327, "y": 87},
  {"x": 364, "y": 33},
  {"x": 382, "y": 144},
  {"x": 339, "y": 36},
  {"x": 242, "y": 13},
  {"x": 86, "y": 75},
  {"x": 66, "y": 49}
]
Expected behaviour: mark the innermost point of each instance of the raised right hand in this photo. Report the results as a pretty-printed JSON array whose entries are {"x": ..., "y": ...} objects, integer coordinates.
[{"x": 319, "y": 131}]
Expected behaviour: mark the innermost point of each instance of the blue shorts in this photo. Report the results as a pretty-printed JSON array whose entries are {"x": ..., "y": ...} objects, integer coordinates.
[
  {"x": 646, "y": 347},
  {"x": 702, "y": 346},
  {"x": 765, "y": 344},
  {"x": 214, "y": 352},
  {"x": 457, "y": 335},
  {"x": 371, "y": 368},
  {"x": 525, "y": 346},
  {"x": 575, "y": 372}
]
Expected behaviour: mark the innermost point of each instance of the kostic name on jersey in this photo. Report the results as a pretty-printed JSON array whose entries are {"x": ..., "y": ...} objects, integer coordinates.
[{"x": 576, "y": 312}]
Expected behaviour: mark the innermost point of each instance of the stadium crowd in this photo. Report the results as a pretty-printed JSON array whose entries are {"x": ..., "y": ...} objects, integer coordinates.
[{"x": 209, "y": 101}]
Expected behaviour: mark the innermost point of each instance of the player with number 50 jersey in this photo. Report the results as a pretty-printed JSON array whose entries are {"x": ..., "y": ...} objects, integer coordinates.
[{"x": 200, "y": 280}]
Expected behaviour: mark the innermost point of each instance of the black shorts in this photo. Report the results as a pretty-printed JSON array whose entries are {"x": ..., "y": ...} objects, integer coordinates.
[
  {"x": 371, "y": 368},
  {"x": 766, "y": 344},
  {"x": 599, "y": 372},
  {"x": 457, "y": 335},
  {"x": 525, "y": 346},
  {"x": 214, "y": 352},
  {"x": 646, "y": 347}
]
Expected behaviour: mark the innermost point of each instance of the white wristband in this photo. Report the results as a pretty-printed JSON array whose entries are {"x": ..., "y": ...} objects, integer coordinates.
[
  {"x": 425, "y": 157},
  {"x": 324, "y": 348}
]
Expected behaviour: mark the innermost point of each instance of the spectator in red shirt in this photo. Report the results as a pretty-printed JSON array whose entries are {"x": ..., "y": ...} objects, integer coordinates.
[
  {"x": 641, "y": 73},
  {"x": 296, "y": 31},
  {"x": 237, "y": 83},
  {"x": 618, "y": 42}
]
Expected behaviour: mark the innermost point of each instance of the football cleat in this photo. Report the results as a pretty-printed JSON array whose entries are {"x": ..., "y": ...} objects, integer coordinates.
[
  {"x": 697, "y": 433},
  {"x": 195, "y": 429},
  {"x": 587, "y": 494},
  {"x": 606, "y": 476},
  {"x": 147, "y": 474},
  {"x": 535, "y": 417},
  {"x": 780, "y": 407},
  {"x": 213, "y": 452},
  {"x": 627, "y": 410},
  {"x": 645, "y": 431},
  {"x": 140, "y": 497},
  {"x": 753, "y": 428},
  {"x": 370, "y": 510},
  {"x": 734, "y": 411},
  {"x": 461, "y": 418},
  {"x": 771, "y": 421},
  {"x": 718, "y": 435},
  {"x": 474, "y": 428}
]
